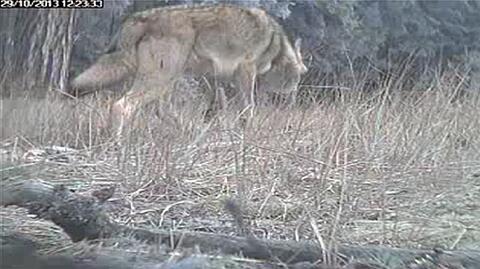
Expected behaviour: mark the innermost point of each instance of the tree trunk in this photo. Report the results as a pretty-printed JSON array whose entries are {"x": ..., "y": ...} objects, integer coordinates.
[{"x": 35, "y": 48}]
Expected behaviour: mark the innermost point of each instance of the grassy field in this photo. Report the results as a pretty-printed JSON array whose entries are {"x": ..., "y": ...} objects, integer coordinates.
[{"x": 396, "y": 170}]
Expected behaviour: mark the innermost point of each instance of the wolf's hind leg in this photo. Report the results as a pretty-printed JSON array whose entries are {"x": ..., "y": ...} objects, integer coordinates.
[{"x": 160, "y": 63}]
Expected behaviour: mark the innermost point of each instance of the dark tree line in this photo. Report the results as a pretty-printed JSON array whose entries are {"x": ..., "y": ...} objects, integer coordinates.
[{"x": 44, "y": 47}]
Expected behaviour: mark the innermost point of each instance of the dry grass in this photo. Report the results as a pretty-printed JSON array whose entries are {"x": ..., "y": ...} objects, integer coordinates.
[{"x": 399, "y": 171}]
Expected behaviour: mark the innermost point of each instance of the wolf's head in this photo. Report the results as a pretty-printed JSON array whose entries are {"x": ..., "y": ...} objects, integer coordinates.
[{"x": 285, "y": 71}]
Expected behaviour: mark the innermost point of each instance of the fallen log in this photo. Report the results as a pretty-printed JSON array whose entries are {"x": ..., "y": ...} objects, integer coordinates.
[
  {"x": 17, "y": 251},
  {"x": 83, "y": 217}
]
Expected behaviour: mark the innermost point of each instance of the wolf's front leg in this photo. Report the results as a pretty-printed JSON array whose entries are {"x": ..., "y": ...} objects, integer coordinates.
[{"x": 245, "y": 77}]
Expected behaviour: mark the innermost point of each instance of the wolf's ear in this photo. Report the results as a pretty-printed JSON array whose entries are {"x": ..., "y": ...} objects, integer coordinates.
[{"x": 298, "y": 45}]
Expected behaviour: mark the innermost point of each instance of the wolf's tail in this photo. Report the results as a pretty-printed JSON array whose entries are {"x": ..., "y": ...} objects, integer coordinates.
[
  {"x": 117, "y": 64},
  {"x": 109, "y": 69}
]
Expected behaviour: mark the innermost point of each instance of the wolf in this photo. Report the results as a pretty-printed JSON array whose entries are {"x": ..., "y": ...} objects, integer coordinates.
[{"x": 224, "y": 42}]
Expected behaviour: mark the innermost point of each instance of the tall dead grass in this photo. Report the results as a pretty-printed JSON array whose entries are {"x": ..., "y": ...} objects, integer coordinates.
[{"x": 390, "y": 168}]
